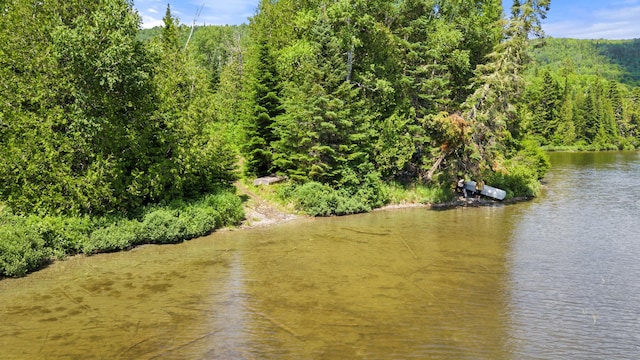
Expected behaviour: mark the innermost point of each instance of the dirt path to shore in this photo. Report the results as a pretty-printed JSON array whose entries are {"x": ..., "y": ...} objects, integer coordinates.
[{"x": 259, "y": 212}]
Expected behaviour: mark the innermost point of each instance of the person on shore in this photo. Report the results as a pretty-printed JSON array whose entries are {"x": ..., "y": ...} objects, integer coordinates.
[
  {"x": 479, "y": 188},
  {"x": 460, "y": 187}
]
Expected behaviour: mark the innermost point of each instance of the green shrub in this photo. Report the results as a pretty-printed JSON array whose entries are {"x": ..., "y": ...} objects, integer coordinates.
[
  {"x": 196, "y": 221},
  {"x": 533, "y": 156},
  {"x": 117, "y": 236},
  {"x": 63, "y": 235},
  {"x": 227, "y": 206},
  {"x": 27, "y": 243},
  {"x": 318, "y": 199},
  {"x": 419, "y": 193},
  {"x": 521, "y": 175},
  {"x": 517, "y": 180},
  {"x": 313, "y": 198},
  {"x": 160, "y": 227},
  {"x": 22, "y": 249}
]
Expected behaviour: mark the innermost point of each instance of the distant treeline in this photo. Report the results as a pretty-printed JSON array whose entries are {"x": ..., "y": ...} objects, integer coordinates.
[{"x": 584, "y": 94}]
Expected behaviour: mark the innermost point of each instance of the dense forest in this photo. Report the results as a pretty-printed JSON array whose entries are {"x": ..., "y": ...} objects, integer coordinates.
[
  {"x": 112, "y": 137},
  {"x": 584, "y": 94},
  {"x": 347, "y": 96}
]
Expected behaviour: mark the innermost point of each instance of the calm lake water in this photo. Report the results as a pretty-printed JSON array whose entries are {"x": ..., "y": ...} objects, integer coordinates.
[{"x": 554, "y": 278}]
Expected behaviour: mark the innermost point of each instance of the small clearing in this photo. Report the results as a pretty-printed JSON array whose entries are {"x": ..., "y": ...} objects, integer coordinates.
[{"x": 259, "y": 212}]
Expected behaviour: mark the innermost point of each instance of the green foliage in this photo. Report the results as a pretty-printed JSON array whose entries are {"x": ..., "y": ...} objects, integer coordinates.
[
  {"x": 517, "y": 179},
  {"x": 22, "y": 249},
  {"x": 169, "y": 33},
  {"x": 267, "y": 106},
  {"x": 521, "y": 174},
  {"x": 177, "y": 222},
  {"x": 95, "y": 121},
  {"x": 227, "y": 207},
  {"x": 318, "y": 199},
  {"x": 216, "y": 48},
  {"x": 114, "y": 237},
  {"x": 586, "y": 89},
  {"x": 29, "y": 242},
  {"x": 534, "y": 157},
  {"x": 62, "y": 235},
  {"x": 420, "y": 193},
  {"x": 610, "y": 59}
]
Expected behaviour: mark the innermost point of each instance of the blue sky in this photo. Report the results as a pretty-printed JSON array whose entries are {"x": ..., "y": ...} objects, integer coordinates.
[{"x": 581, "y": 19}]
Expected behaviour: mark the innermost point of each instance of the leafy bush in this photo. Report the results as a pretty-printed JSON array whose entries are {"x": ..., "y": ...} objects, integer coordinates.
[
  {"x": 318, "y": 199},
  {"x": 227, "y": 206},
  {"x": 420, "y": 193},
  {"x": 313, "y": 198},
  {"x": 117, "y": 236},
  {"x": 517, "y": 180},
  {"x": 22, "y": 249},
  {"x": 63, "y": 235},
  {"x": 533, "y": 156},
  {"x": 520, "y": 175},
  {"x": 28, "y": 242},
  {"x": 160, "y": 227}
]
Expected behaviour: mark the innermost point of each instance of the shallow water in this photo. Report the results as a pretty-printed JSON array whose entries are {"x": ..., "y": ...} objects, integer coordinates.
[{"x": 552, "y": 278}]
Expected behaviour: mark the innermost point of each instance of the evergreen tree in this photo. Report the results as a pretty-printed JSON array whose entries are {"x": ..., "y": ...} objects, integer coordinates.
[
  {"x": 259, "y": 128},
  {"x": 565, "y": 134},
  {"x": 324, "y": 131},
  {"x": 547, "y": 106},
  {"x": 591, "y": 116},
  {"x": 615, "y": 99},
  {"x": 499, "y": 86},
  {"x": 169, "y": 34},
  {"x": 634, "y": 116}
]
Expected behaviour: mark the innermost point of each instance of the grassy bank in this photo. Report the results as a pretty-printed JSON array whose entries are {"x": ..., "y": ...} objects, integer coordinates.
[{"x": 28, "y": 243}]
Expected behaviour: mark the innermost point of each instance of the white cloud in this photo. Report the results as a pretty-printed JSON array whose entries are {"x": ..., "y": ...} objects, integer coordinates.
[
  {"x": 618, "y": 20},
  {"x": 217, "y": 12}
]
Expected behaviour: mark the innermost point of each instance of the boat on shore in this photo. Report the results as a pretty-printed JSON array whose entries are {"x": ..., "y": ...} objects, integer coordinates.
[{"x": 471, "y": 188}]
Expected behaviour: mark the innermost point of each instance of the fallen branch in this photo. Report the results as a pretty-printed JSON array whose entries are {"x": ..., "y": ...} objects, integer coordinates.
[{"x": 437, "y": 164}]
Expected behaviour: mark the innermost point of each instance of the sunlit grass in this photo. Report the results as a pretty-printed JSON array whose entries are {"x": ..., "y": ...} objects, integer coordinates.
[{"x": 419, "y": 194}]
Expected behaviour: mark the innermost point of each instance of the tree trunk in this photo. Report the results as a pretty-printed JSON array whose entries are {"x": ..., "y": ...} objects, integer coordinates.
[{"x": 437, "y": 164}]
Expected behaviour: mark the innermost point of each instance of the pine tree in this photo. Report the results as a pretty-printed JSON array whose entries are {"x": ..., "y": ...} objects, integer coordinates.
[
  {"x": 169, "y": 34},
  {"x": 545, "y": 121},
  {"x": 324, "y": 130},
  {"x": 499, "y": 86},
  {"x": 259, "y": 128}
]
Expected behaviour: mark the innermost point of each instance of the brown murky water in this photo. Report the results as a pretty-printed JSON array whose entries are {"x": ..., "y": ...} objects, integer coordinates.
[{"x": 533, "y": 280}]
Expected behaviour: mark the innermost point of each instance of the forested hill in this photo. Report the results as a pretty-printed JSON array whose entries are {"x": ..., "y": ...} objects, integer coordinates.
[
  {"x": 617, "y": 60},
  {"x": 583, "y": 94}
]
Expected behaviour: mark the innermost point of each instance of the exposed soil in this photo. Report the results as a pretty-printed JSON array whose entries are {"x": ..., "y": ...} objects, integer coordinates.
[{"x": 259, "y": 212}]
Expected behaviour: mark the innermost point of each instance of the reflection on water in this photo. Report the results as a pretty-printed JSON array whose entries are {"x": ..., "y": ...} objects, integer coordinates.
[
  {"x": 553, "y": 278},
  {"x": 228, "y": 320}
]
